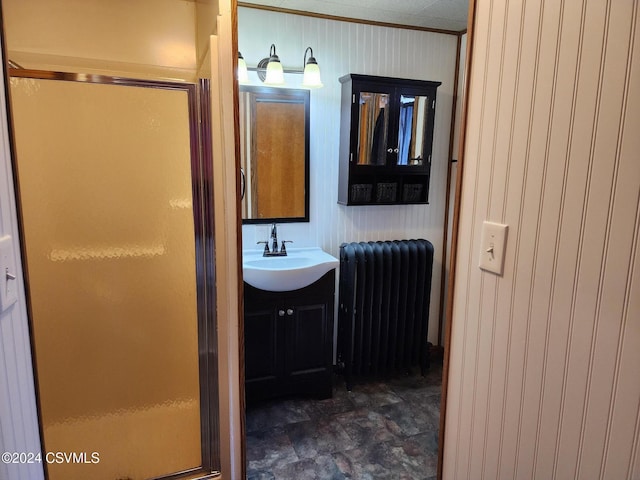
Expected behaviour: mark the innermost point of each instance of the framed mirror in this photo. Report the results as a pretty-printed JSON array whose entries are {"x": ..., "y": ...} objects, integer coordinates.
[{"x": 274, "y": 148}]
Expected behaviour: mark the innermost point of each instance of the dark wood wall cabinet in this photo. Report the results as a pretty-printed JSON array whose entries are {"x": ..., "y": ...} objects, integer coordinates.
[
  {"x": 288, "y": 341},
  {"x": 386, "y": 136}
]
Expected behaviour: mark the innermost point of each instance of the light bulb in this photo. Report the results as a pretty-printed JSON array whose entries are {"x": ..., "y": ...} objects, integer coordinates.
[
  {"x": 243, "y": 74},
  {"x": 311, "y": 76}
]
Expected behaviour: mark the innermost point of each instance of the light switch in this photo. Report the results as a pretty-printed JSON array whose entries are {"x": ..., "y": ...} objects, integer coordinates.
[
  {"x": 8, "y": 280},
  {"x": 494, "y": 238}
]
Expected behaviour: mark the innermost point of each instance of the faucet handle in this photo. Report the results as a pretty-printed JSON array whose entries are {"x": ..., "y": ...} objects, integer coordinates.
[
  {"x": 283, "y": 249},
  {"x": 266, "y": 247}
]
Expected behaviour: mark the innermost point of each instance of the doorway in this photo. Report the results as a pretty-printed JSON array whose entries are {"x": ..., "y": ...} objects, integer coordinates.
[{"x": 356, "y": 47}]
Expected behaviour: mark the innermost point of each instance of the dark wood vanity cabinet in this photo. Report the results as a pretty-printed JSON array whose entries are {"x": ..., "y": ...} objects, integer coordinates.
[
  {"x": 288, "y": 340},
  {"x": 386, "y": 136}
]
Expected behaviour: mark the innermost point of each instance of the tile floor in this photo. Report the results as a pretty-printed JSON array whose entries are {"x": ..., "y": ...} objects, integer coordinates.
[{"x": 382, "y": 429}]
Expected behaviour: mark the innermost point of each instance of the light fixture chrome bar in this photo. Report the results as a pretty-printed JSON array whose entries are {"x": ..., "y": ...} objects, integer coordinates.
[
  {"x": 271, "y": 72},
  {"x": 285, "y": 70}
]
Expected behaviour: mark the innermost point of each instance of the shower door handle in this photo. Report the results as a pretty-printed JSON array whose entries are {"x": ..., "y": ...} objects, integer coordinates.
[{"x": 243, "y": 185}]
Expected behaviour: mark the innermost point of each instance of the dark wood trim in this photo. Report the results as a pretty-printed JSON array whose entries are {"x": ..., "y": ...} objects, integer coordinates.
[
  {"x": 454, "y": 236},
  {"x": 240, "y": 282},
  {"x": 324, "y": 16},
  {"x": 448, "y": 192}
]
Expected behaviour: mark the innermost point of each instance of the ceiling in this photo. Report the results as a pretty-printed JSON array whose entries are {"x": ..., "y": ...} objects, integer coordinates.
[{"x": 437, "y": 14}]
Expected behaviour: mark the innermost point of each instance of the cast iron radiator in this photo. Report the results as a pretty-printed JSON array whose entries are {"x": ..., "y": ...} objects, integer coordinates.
[{"x": 384, "y": 306}]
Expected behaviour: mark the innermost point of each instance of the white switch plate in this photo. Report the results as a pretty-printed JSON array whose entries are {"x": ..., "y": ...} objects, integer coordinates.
[
  {"x": 492, "y": 247},
  {"x": 8, "y": 286}
]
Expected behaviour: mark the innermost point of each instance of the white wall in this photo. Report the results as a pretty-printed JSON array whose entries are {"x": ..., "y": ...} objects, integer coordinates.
[
  {"x": 18, "y": 415},
  {"x": 342, "y": 48},
  {"x": 544, "y": 376}
]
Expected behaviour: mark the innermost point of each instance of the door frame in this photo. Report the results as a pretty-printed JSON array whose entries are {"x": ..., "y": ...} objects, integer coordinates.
[{"x": 455, "y": 223}]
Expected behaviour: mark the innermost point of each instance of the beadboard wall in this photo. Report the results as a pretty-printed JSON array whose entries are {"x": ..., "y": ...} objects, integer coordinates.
[
  {"x": 18, "y": 415},
  {"x": 341, "y": 48},
  {"x": 545, "y": 360}
]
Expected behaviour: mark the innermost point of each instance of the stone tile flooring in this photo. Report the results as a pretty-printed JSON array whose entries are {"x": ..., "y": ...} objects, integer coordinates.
[{"x": 382, "y": 429}]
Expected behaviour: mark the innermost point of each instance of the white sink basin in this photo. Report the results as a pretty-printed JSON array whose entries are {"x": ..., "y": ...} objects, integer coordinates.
[{"x": 300, "y": 268}]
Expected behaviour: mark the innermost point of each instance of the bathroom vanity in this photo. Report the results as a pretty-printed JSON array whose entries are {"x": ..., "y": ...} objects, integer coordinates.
[{"x": 288, "y": 338}]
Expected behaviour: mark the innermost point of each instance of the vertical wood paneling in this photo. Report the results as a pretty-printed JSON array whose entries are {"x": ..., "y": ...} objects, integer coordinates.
[
  {"x": 621, "y": 225},
  {"x": 543, "y": 358},
  {"x": 343, "y": 48},
  {"x": 18, "y": 415},
  {"x": 620, "y": 455}
]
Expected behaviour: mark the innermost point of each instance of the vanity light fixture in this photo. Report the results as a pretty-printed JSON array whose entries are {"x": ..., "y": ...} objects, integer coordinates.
[
  {"x": 311, "y": 76},
  {"x": 275, "y": 73},
  {"x": 243, "y": 75},
  {"x": 271, "y": 72}
]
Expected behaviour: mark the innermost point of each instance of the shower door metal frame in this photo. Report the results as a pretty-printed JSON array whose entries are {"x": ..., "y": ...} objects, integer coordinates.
[{"x": 202, "y": 192}]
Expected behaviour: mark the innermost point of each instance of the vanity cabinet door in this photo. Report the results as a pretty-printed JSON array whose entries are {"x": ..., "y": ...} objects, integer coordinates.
[
  {"x": 263, "y": 337},
  {"x": 309, "y": 355}
]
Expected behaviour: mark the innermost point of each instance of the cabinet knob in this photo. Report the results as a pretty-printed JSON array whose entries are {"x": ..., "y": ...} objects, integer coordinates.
[
  {"x": 281, "y": 313},
  {"x": 389, "y": 150},
  {"x": 396, "y": 150},
  {"x": 289, "y": 311}
]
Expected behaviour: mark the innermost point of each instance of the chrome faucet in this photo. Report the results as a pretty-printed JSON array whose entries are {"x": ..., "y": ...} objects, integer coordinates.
[
  {"x": 274, "y": 252},
  {"x": 274, "y": 238}
]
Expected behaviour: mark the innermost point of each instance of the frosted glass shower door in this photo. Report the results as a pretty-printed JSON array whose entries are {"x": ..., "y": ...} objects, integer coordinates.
[{"x": 106, "y": 194}]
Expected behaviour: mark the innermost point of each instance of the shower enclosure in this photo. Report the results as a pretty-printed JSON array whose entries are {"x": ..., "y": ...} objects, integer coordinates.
[{"x": 114, "y": 190}]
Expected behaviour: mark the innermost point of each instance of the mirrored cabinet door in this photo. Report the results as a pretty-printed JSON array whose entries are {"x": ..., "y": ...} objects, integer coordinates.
[
  {"x": 412, "y": 130},
  {"x": 373, "y": 131}
]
